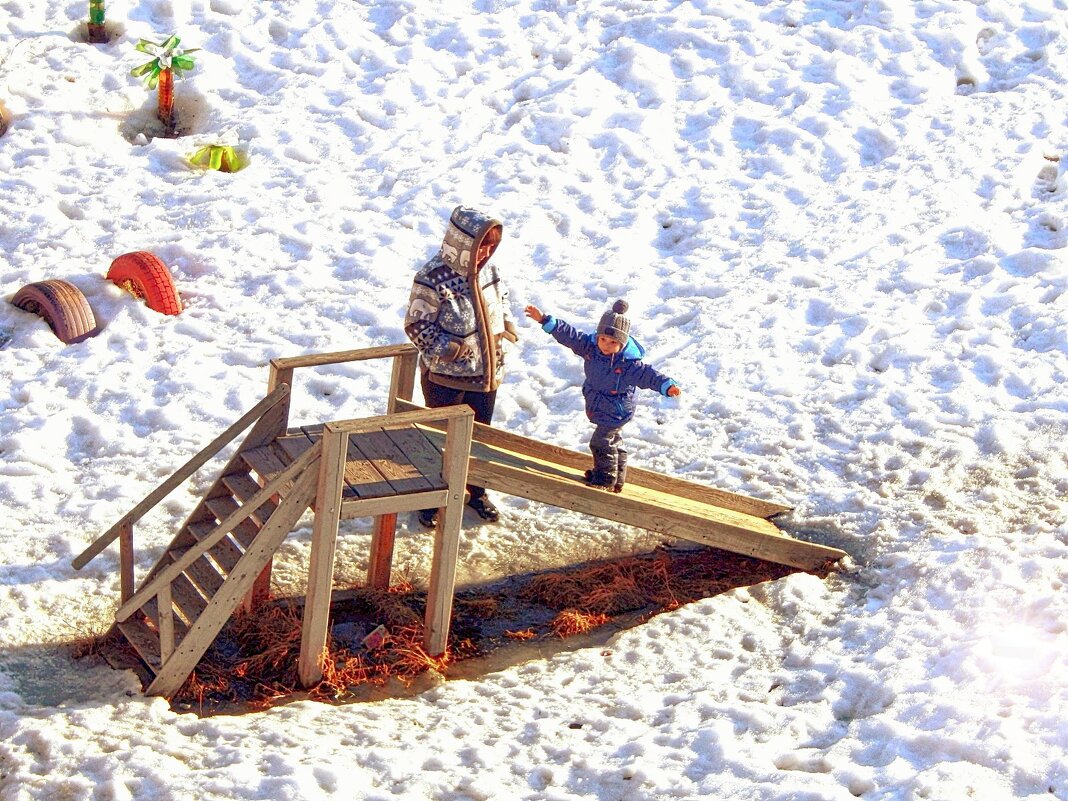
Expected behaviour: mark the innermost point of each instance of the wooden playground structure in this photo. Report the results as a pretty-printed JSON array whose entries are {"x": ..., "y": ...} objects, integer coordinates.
[{"x": 407, "y": 459}]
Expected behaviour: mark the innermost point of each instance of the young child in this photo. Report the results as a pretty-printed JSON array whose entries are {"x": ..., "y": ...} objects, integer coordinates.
[{"x": 613, "y": 371}]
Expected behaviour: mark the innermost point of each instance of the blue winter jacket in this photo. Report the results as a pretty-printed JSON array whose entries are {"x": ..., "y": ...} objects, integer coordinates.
[{"x": 610, "y": 380}]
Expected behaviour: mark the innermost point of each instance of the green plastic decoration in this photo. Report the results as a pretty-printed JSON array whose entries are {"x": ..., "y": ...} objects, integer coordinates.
[
  {"x": 97, "y": 32},
  {"x": 166, "y": 57},
  {"x": 217, "y": 157}
]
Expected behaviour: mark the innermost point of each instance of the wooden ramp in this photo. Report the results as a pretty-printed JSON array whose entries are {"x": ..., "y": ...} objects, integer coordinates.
[{"x": 517, "y": 465}]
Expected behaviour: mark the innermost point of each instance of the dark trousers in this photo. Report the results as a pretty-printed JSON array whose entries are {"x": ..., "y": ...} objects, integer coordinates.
[
  {"x": 481, "y": 403},
  {"x": 609, "y": 455}
]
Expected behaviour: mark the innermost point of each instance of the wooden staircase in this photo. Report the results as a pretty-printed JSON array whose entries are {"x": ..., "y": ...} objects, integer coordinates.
[{"x": 212, "y": 565}]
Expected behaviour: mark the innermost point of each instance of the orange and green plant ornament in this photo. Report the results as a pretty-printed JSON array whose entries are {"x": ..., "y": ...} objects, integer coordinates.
[{"x": 167, "y": 62}]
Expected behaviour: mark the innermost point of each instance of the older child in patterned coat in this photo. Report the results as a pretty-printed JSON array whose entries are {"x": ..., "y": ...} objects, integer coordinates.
[
  {"x": 458, "y": 318},
  {"x": 613, "y": 371}
]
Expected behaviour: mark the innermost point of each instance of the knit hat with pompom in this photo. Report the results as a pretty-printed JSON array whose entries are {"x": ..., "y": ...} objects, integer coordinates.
[{"x": 614, "y": 325}]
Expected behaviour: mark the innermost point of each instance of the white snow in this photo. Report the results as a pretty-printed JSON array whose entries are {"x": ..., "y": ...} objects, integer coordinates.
[{"x": 841, "y": 225}]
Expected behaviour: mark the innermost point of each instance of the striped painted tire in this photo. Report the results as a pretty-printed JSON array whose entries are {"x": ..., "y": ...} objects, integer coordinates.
[
  {"x": 142, "y": 274},
  {"x": 63, "y": 307}
]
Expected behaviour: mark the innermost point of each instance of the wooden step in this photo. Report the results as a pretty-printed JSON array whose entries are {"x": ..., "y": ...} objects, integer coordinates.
[
  {"x": 151, "y": 611},
  {"x": 204, "y": 573},
  {"x": 245, "y": 531},
  {"x": 144, "y": 639},
  {"x": 187, "y": 599},
  {"x": 264, "y": 461},
  {"x": 224, "y": 552},
  {"x": 242, "y": 487}
]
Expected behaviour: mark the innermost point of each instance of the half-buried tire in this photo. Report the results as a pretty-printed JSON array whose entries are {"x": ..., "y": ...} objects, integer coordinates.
[
  {"x": 142, "y": 274},
  {"x": 63, "y": 307}
]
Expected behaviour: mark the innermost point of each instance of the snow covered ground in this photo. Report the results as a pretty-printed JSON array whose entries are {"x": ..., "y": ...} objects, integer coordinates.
[{"x": 841, "y": 225}]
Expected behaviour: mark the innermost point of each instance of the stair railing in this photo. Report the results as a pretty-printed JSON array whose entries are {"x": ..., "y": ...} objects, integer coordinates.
[
  {"x": 160, "y": 585},
  {"x": 402, "y": 380},
  {"x": 123, "y": 529}
]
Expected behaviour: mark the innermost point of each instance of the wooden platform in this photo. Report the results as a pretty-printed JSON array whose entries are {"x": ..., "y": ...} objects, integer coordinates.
[{"x": 387, "y": 462}]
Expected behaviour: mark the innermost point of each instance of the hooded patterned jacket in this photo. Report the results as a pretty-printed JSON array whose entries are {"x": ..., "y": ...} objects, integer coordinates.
[{"x": 458, "y": 311}]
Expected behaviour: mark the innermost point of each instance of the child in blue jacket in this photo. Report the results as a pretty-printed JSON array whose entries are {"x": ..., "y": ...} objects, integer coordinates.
[{"x": 613, "y": 371}]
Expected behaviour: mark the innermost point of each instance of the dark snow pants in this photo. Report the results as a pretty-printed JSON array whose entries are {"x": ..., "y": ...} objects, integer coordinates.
[
  {"x": 609, "y": 455},
  {"x": 481, "y": 403}
]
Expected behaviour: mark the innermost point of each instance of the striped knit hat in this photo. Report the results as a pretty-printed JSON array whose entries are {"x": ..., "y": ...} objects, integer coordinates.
[{"x": 614, "y": 325}]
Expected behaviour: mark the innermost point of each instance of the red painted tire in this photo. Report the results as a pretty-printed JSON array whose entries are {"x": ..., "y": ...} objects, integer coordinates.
[
  {"x": 142, "y": 274},
  {"x": 63, "y": 307}
]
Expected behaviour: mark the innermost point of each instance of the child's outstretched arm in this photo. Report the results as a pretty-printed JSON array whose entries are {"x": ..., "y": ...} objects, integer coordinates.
[
  {"x": 535, "y": 314},
  {"x": 562, "y": 332}
]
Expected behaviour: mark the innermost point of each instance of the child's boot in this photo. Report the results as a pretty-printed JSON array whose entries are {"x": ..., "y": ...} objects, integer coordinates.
[{"x": 598, "y": 478}]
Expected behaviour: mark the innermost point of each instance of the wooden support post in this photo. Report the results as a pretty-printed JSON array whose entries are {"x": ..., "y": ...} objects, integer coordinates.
[
  {"x": 278, "y": 376},
  {"x": 402, "y": 380},
  {"x": 401, "y": 385},
  {"x": 261, "y": 590},
  {"x": 381, "y": 562},
  {"x": 454, "y": 460},
  {"x": 166, "y": 624},
  {"x": 323, "y": 547},
  {"x": 126, "y": 576}
]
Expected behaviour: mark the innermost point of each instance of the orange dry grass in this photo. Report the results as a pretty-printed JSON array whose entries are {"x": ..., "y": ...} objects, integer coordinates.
[
  {"x": 258, "y": 662},
  {"x": 572, "y": 621},
  {"x": 610, "y": 588},
  {"x": 662, "y": 579},
  {"x": 526, "y": 634}
]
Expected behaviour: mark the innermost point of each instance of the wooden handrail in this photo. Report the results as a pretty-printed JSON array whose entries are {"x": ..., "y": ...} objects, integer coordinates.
[
  {"x": 337, "y": 357},
  {"x": 425, "y": 416},
  {"x": 180, "y": 475},
  {"x": 167, "y": 574}
]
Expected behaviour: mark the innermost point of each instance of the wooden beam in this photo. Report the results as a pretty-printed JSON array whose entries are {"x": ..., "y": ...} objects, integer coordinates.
[
  {"x": 402, "y": 378},
  {"x": 339, "y": 357},
  {"x": 720, "y": 528},
  {"x": 367, "y": 507},
  {"x": 383, "y": 537},
  {"x": 420, "y": 415},
  {"x": 314, "y": 629},
  {"x": 126, "y": 560},
  {"x": 166, "y": 624}
]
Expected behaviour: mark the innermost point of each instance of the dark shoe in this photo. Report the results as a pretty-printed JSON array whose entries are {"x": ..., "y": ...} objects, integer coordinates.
[
  {"x": 428, "y": 518},
  {"x": 595, "y": 478},
  {"x": 485, "y": 509},
  {"x": 618, "y": 487}
]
